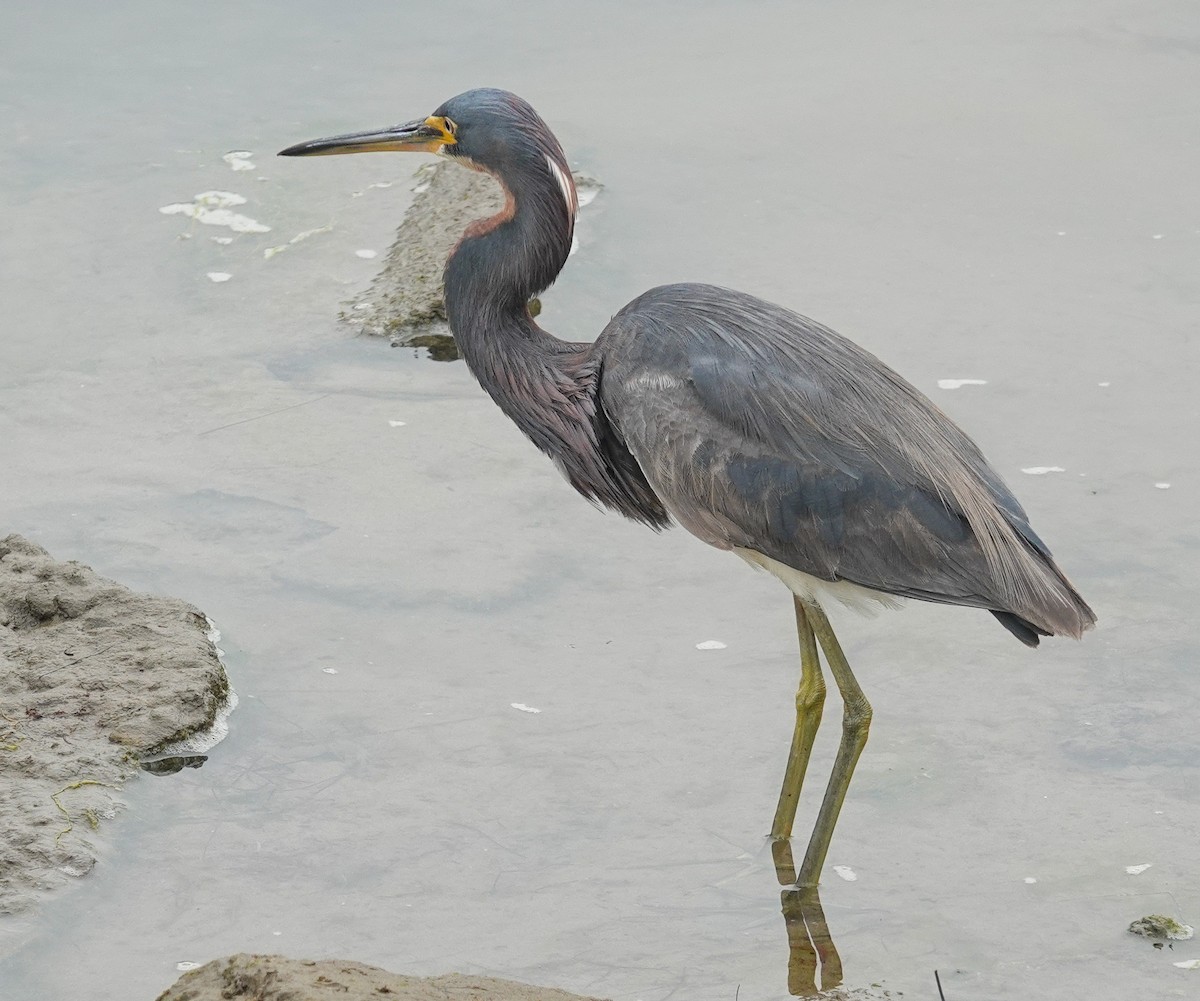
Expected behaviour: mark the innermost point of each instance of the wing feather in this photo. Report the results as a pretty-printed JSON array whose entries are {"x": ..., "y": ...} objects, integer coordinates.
[{"x": 760, "y": 428}]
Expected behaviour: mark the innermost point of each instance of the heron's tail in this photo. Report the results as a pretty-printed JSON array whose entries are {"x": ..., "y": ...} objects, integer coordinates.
[{"x": 1054, "y": 608}]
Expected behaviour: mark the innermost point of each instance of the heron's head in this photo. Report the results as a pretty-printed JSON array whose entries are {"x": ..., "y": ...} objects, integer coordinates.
[{"x": 485, "y": 128}]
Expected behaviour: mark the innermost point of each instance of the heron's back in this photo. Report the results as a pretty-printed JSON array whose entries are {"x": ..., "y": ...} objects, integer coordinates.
[{"x": 759, "y": 428}]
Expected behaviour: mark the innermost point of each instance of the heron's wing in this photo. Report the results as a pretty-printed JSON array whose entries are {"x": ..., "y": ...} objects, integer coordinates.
[{"x": 761, "y": 429}]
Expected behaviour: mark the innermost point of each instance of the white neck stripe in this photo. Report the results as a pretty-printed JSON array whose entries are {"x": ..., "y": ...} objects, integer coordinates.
[{"x": 566, "y": 185}]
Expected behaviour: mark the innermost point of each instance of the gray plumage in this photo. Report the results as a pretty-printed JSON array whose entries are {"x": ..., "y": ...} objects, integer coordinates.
[{"x": 762, "y": 429}]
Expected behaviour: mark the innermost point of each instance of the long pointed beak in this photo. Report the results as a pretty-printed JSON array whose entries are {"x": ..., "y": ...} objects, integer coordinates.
[{"x": 425, "y": 136}]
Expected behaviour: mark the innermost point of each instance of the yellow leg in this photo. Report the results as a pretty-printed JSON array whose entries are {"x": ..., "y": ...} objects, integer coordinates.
[
  {"x": 810, "y": 700},
  {"x": 856, "y": 721}
]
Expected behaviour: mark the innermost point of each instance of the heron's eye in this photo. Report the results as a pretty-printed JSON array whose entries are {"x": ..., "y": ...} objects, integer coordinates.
[{"x": 450, "y": 126}]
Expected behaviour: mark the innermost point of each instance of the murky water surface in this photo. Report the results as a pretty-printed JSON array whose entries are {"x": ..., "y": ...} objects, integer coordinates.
[{"x": 1005, "y": 200}]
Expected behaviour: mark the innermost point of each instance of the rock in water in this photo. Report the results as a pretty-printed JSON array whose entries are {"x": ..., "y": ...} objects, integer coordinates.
[{"x": 93, "y": 679}]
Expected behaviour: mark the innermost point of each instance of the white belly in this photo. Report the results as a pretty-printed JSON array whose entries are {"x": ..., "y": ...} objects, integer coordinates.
[{"x": 815, "y": 591}]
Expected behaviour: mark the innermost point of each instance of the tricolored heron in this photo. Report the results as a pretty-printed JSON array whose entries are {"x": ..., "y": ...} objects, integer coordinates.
[{"x": 760, "y": 431}]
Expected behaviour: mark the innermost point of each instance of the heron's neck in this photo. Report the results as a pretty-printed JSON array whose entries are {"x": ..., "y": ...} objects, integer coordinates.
[
  {"x": 549, "y": 387},
  {"x": 506, "y": 260},
  {"x": 500, "y": 264}
]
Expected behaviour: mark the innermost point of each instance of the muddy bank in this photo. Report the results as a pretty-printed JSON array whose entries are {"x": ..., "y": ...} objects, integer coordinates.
[
  {"x": 94, "y": 681},
  {"x": 277, "y": 978}
]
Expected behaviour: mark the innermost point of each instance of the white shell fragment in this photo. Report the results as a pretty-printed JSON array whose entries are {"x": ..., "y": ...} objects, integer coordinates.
[
  {"x": 366, "y": 255},
  {"x": 1137, "y": 870},
  {"x": 1162, "y": 486},
  {"x": 1042, "y": 470},
  {"x": 397, "y": 424},
  {"x": 959, "y": 383},
  {"x": 329, "y": 670},
  {"x": 219, "y": 276},
  {"x": 422, "y": 178},
  {"x": 710, "y": 645},
  {"x": 521, "y": 707},
  {"x": 239, "y": 159},
  {"x": 186, "y": 965},
  {"x": 1188, "y": 964},
  {"x": 848, "y": 874},
  {"x": 272, "y": 251},
  {"x": 1031, "y": 879},
  {"x": 387, "y": 184},
  {"x": 586, "y": 189},
  {"x": 212, "y": 208}
]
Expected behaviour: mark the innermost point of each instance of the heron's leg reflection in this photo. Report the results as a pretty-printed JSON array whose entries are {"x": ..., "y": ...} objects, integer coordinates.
[
  {"x": 856, "y": 721},
  {"x": 813, "y": 961},
  {"x": 810, "y": 700}
]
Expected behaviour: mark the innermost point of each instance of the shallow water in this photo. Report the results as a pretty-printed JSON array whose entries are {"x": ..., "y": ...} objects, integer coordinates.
[{"x": 1004, "y": 196}]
